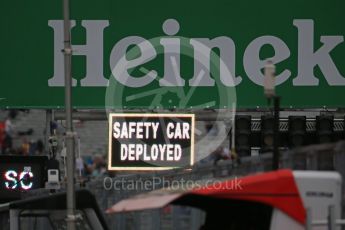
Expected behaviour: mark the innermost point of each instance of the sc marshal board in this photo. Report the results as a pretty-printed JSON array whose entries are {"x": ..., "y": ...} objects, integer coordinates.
[
  {"x": 20, "y": 174},
  {"x": 150, "y": 141}
]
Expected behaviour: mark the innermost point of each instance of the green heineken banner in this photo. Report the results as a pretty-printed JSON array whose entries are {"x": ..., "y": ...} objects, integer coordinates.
[{"x": 173, "y": 54}]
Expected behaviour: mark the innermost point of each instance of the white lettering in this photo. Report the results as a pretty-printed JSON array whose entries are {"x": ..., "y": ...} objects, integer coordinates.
[
  {"x": 93, "y": 50},
  {"x": 253, "y": 65},
  {"x": 120, "y": 65},
  {"x": 308, "y": 59}
]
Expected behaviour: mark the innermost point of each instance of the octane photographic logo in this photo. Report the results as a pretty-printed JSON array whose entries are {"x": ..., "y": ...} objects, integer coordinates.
[{"x": 137, "y": 84}]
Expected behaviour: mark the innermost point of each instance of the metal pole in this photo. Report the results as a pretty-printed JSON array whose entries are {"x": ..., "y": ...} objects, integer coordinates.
[
  {"x": 48, "y": 131},
  {"x": 276, "y": 133},
  {"x": 232, "y": 141},
  {"x": 69, "y": 128},
  {"x": 331, "y": 218},
  {"x": 308, "y": 221}
]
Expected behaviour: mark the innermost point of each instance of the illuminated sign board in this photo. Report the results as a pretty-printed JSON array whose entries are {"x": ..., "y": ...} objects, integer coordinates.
[
  {"x": 20, "y": 174},
  {"x": 150, "y": 141}
]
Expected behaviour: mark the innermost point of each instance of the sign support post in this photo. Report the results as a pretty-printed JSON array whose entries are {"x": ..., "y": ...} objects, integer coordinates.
[
  {"x": 275, "y": 162},
  {"x": 269, "y": 91},
  {"x": 69, "y": 128}
]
